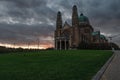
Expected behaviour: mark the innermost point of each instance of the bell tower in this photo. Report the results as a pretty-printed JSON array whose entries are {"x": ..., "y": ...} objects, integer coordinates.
[
  {"x": 58, "y": 31},
  {"x": 75, "y": 21},
  {"x": 58, "y": 24},
  {"x": 76, "y": 29},
  {"x": 59, "y": 21}
]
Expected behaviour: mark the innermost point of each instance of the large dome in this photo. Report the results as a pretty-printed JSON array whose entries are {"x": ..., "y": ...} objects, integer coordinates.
[{"x": 83, "y": 19}]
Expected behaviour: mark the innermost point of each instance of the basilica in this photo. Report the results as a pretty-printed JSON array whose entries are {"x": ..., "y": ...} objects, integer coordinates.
[{"x": 80, "y": 31}]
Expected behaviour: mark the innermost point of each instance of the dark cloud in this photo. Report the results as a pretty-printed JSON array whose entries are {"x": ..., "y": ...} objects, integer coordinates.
[
  {"x": 25, "y": 32},
  {"x": 28, "y": 20}
]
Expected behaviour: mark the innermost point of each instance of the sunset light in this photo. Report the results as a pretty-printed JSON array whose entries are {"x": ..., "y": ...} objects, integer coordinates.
[{"x": 28, "y": 46}]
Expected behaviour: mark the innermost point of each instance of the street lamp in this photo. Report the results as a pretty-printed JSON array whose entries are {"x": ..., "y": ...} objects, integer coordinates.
[
  {"x": 110, "y": 38},
  {"x": 110, "y": 41}
]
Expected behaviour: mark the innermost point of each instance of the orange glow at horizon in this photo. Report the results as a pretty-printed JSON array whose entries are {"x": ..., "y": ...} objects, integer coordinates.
[{"x": 43, "y": 46}]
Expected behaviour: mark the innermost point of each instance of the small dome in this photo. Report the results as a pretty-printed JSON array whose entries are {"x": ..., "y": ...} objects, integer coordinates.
[
  {"x": 74, "y": 6},
  {"x": 102, "y": 37},
  {"x": 59, "y": 13},
  {"x": 83, "y": 19},
  {"x": 95, "y": 33}
]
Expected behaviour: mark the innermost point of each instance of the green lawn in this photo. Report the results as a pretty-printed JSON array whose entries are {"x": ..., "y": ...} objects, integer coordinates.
[{"x": 52, "y": 65}]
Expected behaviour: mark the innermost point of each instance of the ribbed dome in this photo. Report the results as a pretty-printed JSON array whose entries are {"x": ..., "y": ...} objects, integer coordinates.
[{"x": 83, "y": 19}]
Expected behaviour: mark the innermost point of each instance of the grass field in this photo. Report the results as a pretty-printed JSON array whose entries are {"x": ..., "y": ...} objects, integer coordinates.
[{"x": 52, "y": 65}]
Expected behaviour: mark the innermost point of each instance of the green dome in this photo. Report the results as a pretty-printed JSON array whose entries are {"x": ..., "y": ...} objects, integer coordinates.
[
  {"x": 83, "y": 18},
  {"x": 95, "y": 33},
  {"x": 102, "y": 37}
]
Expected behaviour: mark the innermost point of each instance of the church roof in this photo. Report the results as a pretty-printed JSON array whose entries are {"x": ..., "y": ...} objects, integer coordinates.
[
  {"x": 66, "y": 25},
  {"x": 96, "y": 33},
  {"x": 83, "y": 18}
]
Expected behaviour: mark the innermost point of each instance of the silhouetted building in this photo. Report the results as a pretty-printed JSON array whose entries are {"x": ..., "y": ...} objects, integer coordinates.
[{"x": 72, "y": 36}]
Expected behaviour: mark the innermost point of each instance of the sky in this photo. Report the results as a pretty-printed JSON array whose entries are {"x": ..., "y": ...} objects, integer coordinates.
[{"x": 29, "y": 23}]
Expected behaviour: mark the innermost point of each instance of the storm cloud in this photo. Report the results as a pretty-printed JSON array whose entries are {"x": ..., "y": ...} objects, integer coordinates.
[{"x": 23, "y": 21}]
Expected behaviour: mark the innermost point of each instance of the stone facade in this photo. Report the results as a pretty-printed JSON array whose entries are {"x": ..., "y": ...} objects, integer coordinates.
[{"x": 70, "y": 36}]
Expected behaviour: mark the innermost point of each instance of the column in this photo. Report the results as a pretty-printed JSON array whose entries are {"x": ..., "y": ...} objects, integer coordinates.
[
  {"x": 70, "y": 41},
  {"x": 60, "y": 45},
  {"x": 56, "y": 45},
  {"x": 65, "y": 45}
]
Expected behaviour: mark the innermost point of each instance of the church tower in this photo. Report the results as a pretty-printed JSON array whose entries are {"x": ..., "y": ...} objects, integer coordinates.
[
  {"x": 75, "y": 25},
  {"x": 58, "y": 31},
  {"x": 59, "y": 21},
  {"x": 75, "y": 21},
  {"x": 58, "y": 24}
]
